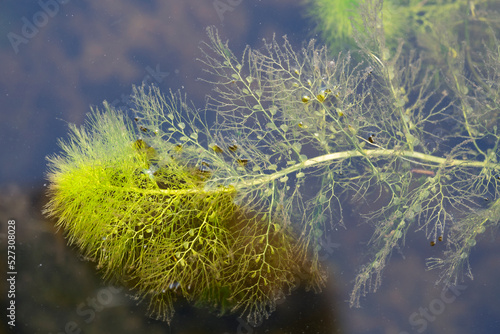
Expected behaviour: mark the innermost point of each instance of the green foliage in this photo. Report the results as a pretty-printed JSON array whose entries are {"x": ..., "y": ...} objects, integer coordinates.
[
  {"x": 333, "y": 19},
  {"x": 144, "y": 217},
  {"x": 230, "y": 215},
  {"x": 428, "y": 24},
  {"x": 337, "y": 20}
]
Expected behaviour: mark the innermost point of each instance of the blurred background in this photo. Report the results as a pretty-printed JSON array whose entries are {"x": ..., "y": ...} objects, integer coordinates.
[{"x": 59, "y": 58}]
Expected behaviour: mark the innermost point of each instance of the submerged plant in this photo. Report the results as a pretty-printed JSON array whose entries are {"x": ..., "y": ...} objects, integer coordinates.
[
  {"x": 336, "y": 20},
  {"x": 231, "y": 215},
  {"x": 438, "y": 27},
  {"x": 147, "y": 218}
]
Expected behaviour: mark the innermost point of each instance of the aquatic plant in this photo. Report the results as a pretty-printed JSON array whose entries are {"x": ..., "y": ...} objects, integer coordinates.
[
  {"x": 429, "y": 25},
  {"x": 147, "y": 218},
  {"x": 231, "y": 215},
  {"x": 336, "y": 20}
]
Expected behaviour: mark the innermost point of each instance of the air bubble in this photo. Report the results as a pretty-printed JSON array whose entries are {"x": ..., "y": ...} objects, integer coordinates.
[
  {"x": 480, "y": 229},
  {"x": 471, "y": 242}
]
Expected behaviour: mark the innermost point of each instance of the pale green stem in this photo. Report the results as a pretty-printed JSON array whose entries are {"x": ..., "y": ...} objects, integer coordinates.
[
  {"x": 366, "y": 153},
  {"x": 267, "y": 178}
]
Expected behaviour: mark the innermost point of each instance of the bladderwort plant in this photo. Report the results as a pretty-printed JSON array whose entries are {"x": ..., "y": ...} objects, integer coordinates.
[
  {"x": 229, "y": 214},
  {"x": 336, "y": 20}
]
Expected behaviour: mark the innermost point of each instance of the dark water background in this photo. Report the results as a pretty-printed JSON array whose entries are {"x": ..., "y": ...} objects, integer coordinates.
[{"x": 81, "y": 53}]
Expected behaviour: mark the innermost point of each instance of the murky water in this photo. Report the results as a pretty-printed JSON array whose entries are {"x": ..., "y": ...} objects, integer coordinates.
[{"x": 58, "y": 58}]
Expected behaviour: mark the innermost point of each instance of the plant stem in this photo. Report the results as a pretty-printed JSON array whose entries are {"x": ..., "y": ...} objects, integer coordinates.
[
  {"x": 355, "y": 153},
  {"x": 262, "y": 179}
]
